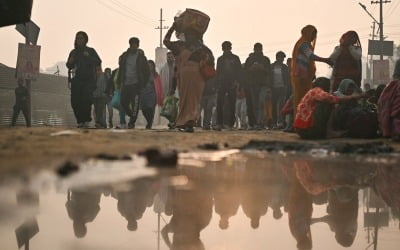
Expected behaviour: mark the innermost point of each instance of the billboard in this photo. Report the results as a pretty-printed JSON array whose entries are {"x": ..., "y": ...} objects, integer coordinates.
[
  {"x": 380, "y": 72},
  {"x": 376, "y": 47},
  {"x": 28, "y": 61}
]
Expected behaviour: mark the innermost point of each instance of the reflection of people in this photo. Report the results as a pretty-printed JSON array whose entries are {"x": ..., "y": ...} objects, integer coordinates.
[
  {"x": 227, "y": 194},
  {"x": 192, "y": 211},
  {"x": 85, "y": 61},
  {"x": 21, "y": 103},
  {"x": 133, "y": 203},
  {"x": 82, "y": 207},
  {"x": 254, "y": 194}
]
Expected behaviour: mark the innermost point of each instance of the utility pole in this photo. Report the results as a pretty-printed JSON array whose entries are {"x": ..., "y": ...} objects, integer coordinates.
[
  {"x": 161, "y": 28},
  {"x": 381, "y": 2}
]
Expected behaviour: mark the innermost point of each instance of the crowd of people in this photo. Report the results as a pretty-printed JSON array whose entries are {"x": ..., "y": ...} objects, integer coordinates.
[{"x": 253, "y": 95}]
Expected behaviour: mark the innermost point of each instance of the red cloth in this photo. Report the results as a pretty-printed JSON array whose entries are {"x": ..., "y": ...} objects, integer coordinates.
[
  {"x": 389, "y": 109},
  {"x": 305, "y": 110},
  {"x": 159, "y": 90}
]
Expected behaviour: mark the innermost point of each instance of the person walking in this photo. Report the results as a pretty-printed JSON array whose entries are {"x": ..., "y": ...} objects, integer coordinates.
[
  {"x": 100, "y": 100},
  {"x": 228, "y": 74},
  {"x": 280, "y": 84},
  {"x": 258, "y": 69},
  {"x": 133, "y": 75},
  {"x": 84, "y": 62},
  {"x": 21, "y": 103},
  {"x": 190, "y": 55},
  {"x": 148, "y": 95}
]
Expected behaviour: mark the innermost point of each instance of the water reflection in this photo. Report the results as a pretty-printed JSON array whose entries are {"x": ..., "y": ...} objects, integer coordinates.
[{"x": 254, "y": 196}]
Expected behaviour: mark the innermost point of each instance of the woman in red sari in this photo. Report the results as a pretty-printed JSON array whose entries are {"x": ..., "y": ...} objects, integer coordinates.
[
  {"x": 303, "y": 64},
  {"x": 389, "y": 107}
]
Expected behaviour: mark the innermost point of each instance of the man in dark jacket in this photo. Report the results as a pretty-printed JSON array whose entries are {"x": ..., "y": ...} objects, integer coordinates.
[
  {"x": 258, "y": 69},
  {"x": 280, "y": 85},
  {"x": 21, "y": 103},
  {"x": 133, "y": 75},
  {"x": 228, "y": 74},
  {"x": 85, "y": 63}
]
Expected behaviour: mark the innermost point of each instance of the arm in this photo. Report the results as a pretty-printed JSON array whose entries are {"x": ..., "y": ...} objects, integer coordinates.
[
  {"x": 71, "y": 60},
  {"x": 173, "y": 46},
  {"x": 306, "y": 49}
]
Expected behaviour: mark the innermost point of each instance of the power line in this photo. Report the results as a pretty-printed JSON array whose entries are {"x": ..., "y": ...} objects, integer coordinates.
[
  {"x": 122, "y": 13},
  {"x": 133, "y": 12}
]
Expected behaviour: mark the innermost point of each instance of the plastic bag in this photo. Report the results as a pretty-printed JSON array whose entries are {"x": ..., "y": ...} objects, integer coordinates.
[
  {"x": 170, "y": 108},
  {"x": 116, "y": 99}
]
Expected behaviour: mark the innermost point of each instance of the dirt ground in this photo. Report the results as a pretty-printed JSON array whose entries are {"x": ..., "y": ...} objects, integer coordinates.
[{"x": 28, "y": 149}]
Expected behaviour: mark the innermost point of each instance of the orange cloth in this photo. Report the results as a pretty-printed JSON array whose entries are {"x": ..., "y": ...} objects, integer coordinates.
[
  {"x": 302, "y": 83},
  {"x": 190, "y": 85}
]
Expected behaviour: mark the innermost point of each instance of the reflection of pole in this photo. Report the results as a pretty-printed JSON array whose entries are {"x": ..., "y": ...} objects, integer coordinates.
[
  {"x": 158, "y": 232},
  {"x": 376, "y": 229}
]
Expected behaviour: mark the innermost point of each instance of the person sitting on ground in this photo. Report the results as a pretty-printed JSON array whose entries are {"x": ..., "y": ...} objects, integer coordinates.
[
  {"x": 313, "y": 116},
  {"x": 359, "y": 119},
  {"x": 389, "y": 107}
]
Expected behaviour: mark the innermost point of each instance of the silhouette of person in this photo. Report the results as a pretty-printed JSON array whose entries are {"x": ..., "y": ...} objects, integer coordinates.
[
  {"x": 300, "y": 211},
  {"x": 133, "y": 203},
  {"x": 227, "y": 194},
  {"x": 254, "y": 193},
  {"x": 82, "y": 208},
  {"x": 192, "y": 211}
]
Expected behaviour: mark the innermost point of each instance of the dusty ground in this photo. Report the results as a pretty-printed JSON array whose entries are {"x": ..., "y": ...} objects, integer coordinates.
[{"x": 28, "y": 149}]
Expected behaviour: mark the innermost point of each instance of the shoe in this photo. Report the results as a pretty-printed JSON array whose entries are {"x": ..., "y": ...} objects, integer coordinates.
[
  {"x": 148, "y": 126},
  {"x": 186, "y": 129},
  {"x": 121, "y": 126},
  {"x": 218, "y": 128},
  {"x": 80, "y": 125},
  {"x": 86, "y": 125},
  {"x": 131, "y": 126}
]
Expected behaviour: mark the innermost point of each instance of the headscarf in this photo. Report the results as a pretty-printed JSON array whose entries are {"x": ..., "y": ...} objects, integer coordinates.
[
  {"x": 85, "y": 36},
  {"x": 344, "y": 85},
  {"x": 307, "y": 34},
  {"x": 350, "y": 38}
]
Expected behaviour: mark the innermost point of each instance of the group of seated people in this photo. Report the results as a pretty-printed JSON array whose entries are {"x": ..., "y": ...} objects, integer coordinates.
[{"x": 350, "y": 112}]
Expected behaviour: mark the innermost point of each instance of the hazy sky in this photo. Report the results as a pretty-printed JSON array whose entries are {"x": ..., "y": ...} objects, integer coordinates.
[{"x": 276, "y": 24}]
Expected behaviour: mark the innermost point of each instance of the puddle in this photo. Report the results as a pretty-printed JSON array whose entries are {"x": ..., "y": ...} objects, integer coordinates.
[{"x": 214, "y": 200}]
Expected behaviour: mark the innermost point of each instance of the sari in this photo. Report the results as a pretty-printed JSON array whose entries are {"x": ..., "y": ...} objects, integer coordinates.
[{"x": 303, "y": 71}]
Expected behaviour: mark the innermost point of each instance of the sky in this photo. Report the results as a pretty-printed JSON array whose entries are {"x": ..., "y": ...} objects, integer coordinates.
[{"x": 276, "y": 24}]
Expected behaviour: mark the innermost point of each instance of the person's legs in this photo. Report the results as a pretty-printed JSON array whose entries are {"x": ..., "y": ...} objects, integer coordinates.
[
  {"x": 75, "y": 100},
  {"x": 135, "y": 103},
  {"x": 85, "y": 102},
  {"x": 220, "y": 107},
  {"x": 16, "y": 111},
  {"x": 148, "y": 114},
  {"x": 250, "y": 104},
  {"x": 262, "y": 95},
  {"x": 110, "y": 114},
  {"x": 126, "y": 97},
  {"x": 232, "y": 106}
]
